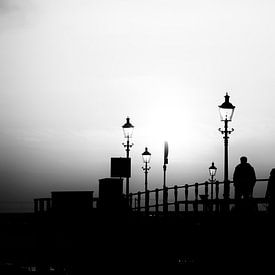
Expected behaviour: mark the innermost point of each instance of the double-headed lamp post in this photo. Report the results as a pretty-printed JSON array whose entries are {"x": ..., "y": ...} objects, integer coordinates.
[
  {"x": 226, "y": 113},
  {"x": 212, "y": 173},
  {"x": 146, "y": 159},
  {"x": 128, "y": 132}
]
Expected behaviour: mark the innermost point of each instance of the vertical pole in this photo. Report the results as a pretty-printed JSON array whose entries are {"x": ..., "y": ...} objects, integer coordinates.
[
  {"x": 226, "y": 181},
  {"x": 176, "y": 198},
  {"x": 206, "y": 202},
  {"x": 138, "y": 201},
  {"x": 212, "y": 191},
  {"x": 165, "y": 191},
  {"x": 35, "y": 205},
  {"x": 217, "y": 196},
  {"x": 196, "y": 196},
  {"x": 164, "y": 175},
  {"x": 131, "y": 200},
  {"x": 157, "y": 200},
  {"x": 186, "y": 197},
  {"x": 206, "y": 189},
  {"x": 127, "y": 179},
  {"x": 226, "y": 189},
  {"x": 165, "y": 199},
  {"x": 146, "y": 188},
  {"x": 147, "y": 194},
  {"x": 41, "y": 205},
  {"x": 48, "y": 204},
  {"x": 217, "y": 190}
]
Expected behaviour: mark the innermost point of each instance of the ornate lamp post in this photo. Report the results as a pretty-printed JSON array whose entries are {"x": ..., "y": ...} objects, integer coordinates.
[
  {"x": 146, "y": 159},
  {"x": 226, "y": 113},
  {"x": 128, "y": 132},
  {"x": 212, "y": 173}
]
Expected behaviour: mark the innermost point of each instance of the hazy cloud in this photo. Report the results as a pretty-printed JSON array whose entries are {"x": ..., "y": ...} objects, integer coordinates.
[
  {"x": 7, "y": 6},
  {"x": 14, "y": 13}
]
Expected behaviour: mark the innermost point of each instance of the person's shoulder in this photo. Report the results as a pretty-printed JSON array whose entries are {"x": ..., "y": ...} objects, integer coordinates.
[{"x": 250, "y": 166}]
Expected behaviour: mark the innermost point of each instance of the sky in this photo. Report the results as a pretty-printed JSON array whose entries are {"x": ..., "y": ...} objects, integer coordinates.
[{"x": 71, "y": 71}]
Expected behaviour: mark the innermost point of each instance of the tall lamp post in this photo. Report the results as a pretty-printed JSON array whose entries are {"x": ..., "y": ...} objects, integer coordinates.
[
  {"x": 226, "y": 113},
  {"x": 212, "y": 173},
  {"x": 128, "y": 132},
  {"x": 165, "y": 190},
  {"x": 146, "y": 159}
]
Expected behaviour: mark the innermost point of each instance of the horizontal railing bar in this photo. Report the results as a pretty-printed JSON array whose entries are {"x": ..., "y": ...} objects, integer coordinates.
[
  {"x": 188, "y": 186},
  {"x": 44, "y": 199},
  {"x": 202, "y": 202}
]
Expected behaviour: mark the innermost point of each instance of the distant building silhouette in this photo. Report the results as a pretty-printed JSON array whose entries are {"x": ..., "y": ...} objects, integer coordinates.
[
  {"x": 72, "y": 201},
  {"x": 111, "y": 197}
]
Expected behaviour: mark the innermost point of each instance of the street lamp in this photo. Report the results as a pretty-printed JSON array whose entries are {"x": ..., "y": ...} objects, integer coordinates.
[
  {"x": 146, "y": 159},
  {"x": 165, "y": 190},
  {"x": 226, "y": 113},
  {"x": 128, "y": 132},
  {"x": 212, "y": 173}
]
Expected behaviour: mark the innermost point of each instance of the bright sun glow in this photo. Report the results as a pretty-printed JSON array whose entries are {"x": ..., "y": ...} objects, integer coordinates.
[{"x": 169, "y": 120}]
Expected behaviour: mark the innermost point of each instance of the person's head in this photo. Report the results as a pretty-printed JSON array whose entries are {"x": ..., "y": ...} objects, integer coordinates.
[
  {"x": 272, "y": 172},
  {"x": 243, "y": 159}
]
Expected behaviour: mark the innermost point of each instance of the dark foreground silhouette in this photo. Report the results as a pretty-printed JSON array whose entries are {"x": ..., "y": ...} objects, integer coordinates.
[
  {"x": 120, "y": 241},
  {"x": 73, "y": 237}
]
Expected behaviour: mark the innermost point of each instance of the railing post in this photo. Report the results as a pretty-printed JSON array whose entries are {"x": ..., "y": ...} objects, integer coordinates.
[
  {"x": 131, "y": 200},
  {"x": 135, "y": 204},
  {"x": 41, "y": 205},
  {"x": 176, "y": 198},
  {"x": 35, "y": 205},
  {"x": 217, "y": 195},
  {"x": 196, "y": 197},
  {"x": 226, "y": 193},
  {"x": 206, "y": 202},
  {"x": 206, "y": 189},
  {"x": 217, "y": 190},
  {"x": 138, "y": 198},
  {"x": 186, "y": 197},
  {"x": 211, "y": 191},
  {"x": 48, "y": 204},
  {"x": 157, "y": 200},
  {"x": 146, "y": 202}
]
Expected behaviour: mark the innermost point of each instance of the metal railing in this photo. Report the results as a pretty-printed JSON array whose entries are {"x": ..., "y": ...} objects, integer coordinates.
[
  {"x": 197, "y": 197},
  {"x": 206, "y": 196},
  {"x": 43, "y": 205}
]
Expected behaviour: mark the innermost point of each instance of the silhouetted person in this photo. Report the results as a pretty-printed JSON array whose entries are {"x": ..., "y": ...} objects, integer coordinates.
[
  {"x": 270, "y": 191},
  {"x": 244, "y": 178}
]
